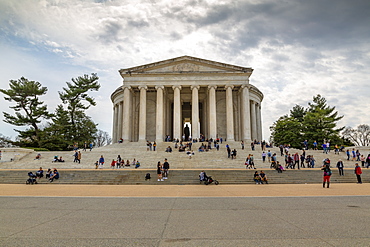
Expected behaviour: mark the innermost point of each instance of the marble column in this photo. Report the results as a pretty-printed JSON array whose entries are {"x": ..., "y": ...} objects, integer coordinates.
[
  {"x": 195, "y": 112},
  {"x": 246, "y": 125},
  {"x": 119, "y": 121},
  {"x": 212, "y": 112},
  {"x": 259, "y": 122},
  {"x": 159, "y": 136},
  {"x": 229, "y": 113},
  {"x": 254, "y": 121},
  {"x": 127, "y": 116},
  {"x": 177, "y": 133},
  {"x": 142, "y": 113},
  {"x": 115, "y": 122},
  {"x": 168, "y": 117}
]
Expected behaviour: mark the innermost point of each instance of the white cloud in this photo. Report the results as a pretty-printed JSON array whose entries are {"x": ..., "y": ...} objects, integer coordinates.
[{"x": 297, "y": 48}]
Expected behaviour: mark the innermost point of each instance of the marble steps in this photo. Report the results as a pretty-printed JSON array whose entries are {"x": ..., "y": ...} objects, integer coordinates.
[
  {"x": 149, "y": 159},
  {"x": 179, "y": 177}
]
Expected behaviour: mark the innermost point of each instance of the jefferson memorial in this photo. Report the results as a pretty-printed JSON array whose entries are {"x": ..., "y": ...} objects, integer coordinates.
[{"x": 186, "y": 97}]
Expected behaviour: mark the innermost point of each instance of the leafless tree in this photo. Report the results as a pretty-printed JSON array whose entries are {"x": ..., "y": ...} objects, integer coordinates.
[
  {"x": 102, "y": 138},
  {"x": 5, "y": 141},
  {"x": 359, "y": 136}
]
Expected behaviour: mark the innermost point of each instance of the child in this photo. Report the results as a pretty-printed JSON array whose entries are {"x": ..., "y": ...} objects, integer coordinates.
[{"x": 113, "y": 164}]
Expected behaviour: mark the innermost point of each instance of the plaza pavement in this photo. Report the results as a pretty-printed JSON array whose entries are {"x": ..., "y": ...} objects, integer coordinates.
[
  {"x": 182, "y": 215},
  {"x": 185, "y": 215}
]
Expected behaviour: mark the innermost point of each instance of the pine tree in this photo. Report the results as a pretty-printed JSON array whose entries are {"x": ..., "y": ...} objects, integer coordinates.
[
  {"x": 72, "y": 123},
  {"x": 287, "y": 130},
  {"x": 320, "y": 121},
  {"x": 317, "y": 122},
  {"x": 29, "y": 110},
  {"x": 76, "y": 98}
]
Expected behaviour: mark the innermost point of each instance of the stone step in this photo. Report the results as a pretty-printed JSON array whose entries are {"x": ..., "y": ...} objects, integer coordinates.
[
  {"x": 136, "y": 176},
  {"x": 148, "y": 159}
]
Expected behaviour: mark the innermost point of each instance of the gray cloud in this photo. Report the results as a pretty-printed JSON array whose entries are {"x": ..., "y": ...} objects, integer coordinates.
[
  {"x": 296, "y": 48},
  {"x": 110, "y": 31}
]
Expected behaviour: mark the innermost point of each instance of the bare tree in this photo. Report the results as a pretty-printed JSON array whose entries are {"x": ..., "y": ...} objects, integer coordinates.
[
  {"x": 102, "y": 138},
  {"x": 5, "y": 141},
  {"x": 359, "y": 136}
]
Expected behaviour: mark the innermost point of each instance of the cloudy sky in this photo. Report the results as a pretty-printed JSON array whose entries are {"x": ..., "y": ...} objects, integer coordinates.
[{"x": 297, "y": 49}]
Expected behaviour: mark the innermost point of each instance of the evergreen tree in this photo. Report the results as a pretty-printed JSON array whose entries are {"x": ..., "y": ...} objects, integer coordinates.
[
  {"x": 72, "y": 124},
  {"x": 298, "y": 112},
  {"x": 76, "y": 97},
  {"x": 286, "y": 130},
  {"x": 29, "y": 110},
  {"x": 58, "y": 134},
  {"x": 317, "y": 122},
  {"x": 320, "y": 121}
]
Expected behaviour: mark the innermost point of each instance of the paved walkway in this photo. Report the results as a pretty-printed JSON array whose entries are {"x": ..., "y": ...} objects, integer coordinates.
[
  {"x": 184, "y": 221},
  {"x": 184, "y": 215}
]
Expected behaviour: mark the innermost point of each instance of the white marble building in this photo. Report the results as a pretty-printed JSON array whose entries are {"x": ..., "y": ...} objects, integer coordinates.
[{"x": 211, "y": 98}]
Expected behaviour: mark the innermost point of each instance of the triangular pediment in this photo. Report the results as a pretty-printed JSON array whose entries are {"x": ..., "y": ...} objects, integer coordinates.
[{"x": 185, "y": 64}]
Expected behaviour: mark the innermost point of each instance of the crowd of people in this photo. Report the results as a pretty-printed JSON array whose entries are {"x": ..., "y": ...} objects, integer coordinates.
[
  {"x": 51, "y": 175},
  {"x": 117, "y": 163},
  {"x": 292, "y": 158}
]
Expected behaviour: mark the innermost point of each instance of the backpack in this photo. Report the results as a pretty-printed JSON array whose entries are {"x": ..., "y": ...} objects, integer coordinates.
[{"x": 147, "y": 176}]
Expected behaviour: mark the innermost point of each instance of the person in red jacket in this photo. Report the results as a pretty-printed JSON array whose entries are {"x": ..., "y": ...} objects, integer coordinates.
[{"x": 358, "y": 173}]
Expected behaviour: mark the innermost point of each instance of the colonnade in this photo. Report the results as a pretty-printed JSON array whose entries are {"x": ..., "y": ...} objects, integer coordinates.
[{"x": 243, "y": 112}]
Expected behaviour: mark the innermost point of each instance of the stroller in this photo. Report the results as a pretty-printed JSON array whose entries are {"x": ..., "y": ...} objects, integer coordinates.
[
  {"x": 31, "y": 178},
  {"x": 207, "y": 179}
]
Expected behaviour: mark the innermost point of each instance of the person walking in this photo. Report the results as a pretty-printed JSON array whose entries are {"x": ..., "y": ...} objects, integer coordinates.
[
  {"x": 166, "y": 167},
  {"x": 101, "y": 162},
  {"x": 327, "y": 174},
  {"x": 159, "y": 171},
  {"x": 228, "y": 149},
  {"x": 119, "y": 161},
  {"x": 368, "y": 161},
  {"x": 75, "y": 155},
  {"x": 269, "y": 155},
  {"x": 263, "y": 156},
  {"x": 340, "y": 167},
  {"x": 363, "y": 160},
  {"x": 358, "y": 173},
  {"x": 79, "y": 155}
]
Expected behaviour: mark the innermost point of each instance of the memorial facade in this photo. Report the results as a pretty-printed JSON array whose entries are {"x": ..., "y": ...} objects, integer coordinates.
[{"x": 186, "y": 97}]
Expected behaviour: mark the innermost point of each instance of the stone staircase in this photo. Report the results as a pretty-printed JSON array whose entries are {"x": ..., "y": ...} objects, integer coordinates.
[
  {"x": 183, "y": 169},
  {"x": 181, "y": 177},
  {"x": 149, "y": 159}
]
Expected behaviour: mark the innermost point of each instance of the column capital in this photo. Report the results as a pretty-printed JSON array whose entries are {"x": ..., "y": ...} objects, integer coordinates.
[
  {"x": 142, "y": 87},
  {"x": 159, "y": 87},
  {"x": 176, "y": 86},
  {"x": 194, "y": 87},
  {"x": 212, "y": 86},
  {"x": 126, "y": 87},
  {"x": 244, "y": 86},
  {"x": 229, "y": 86}
]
